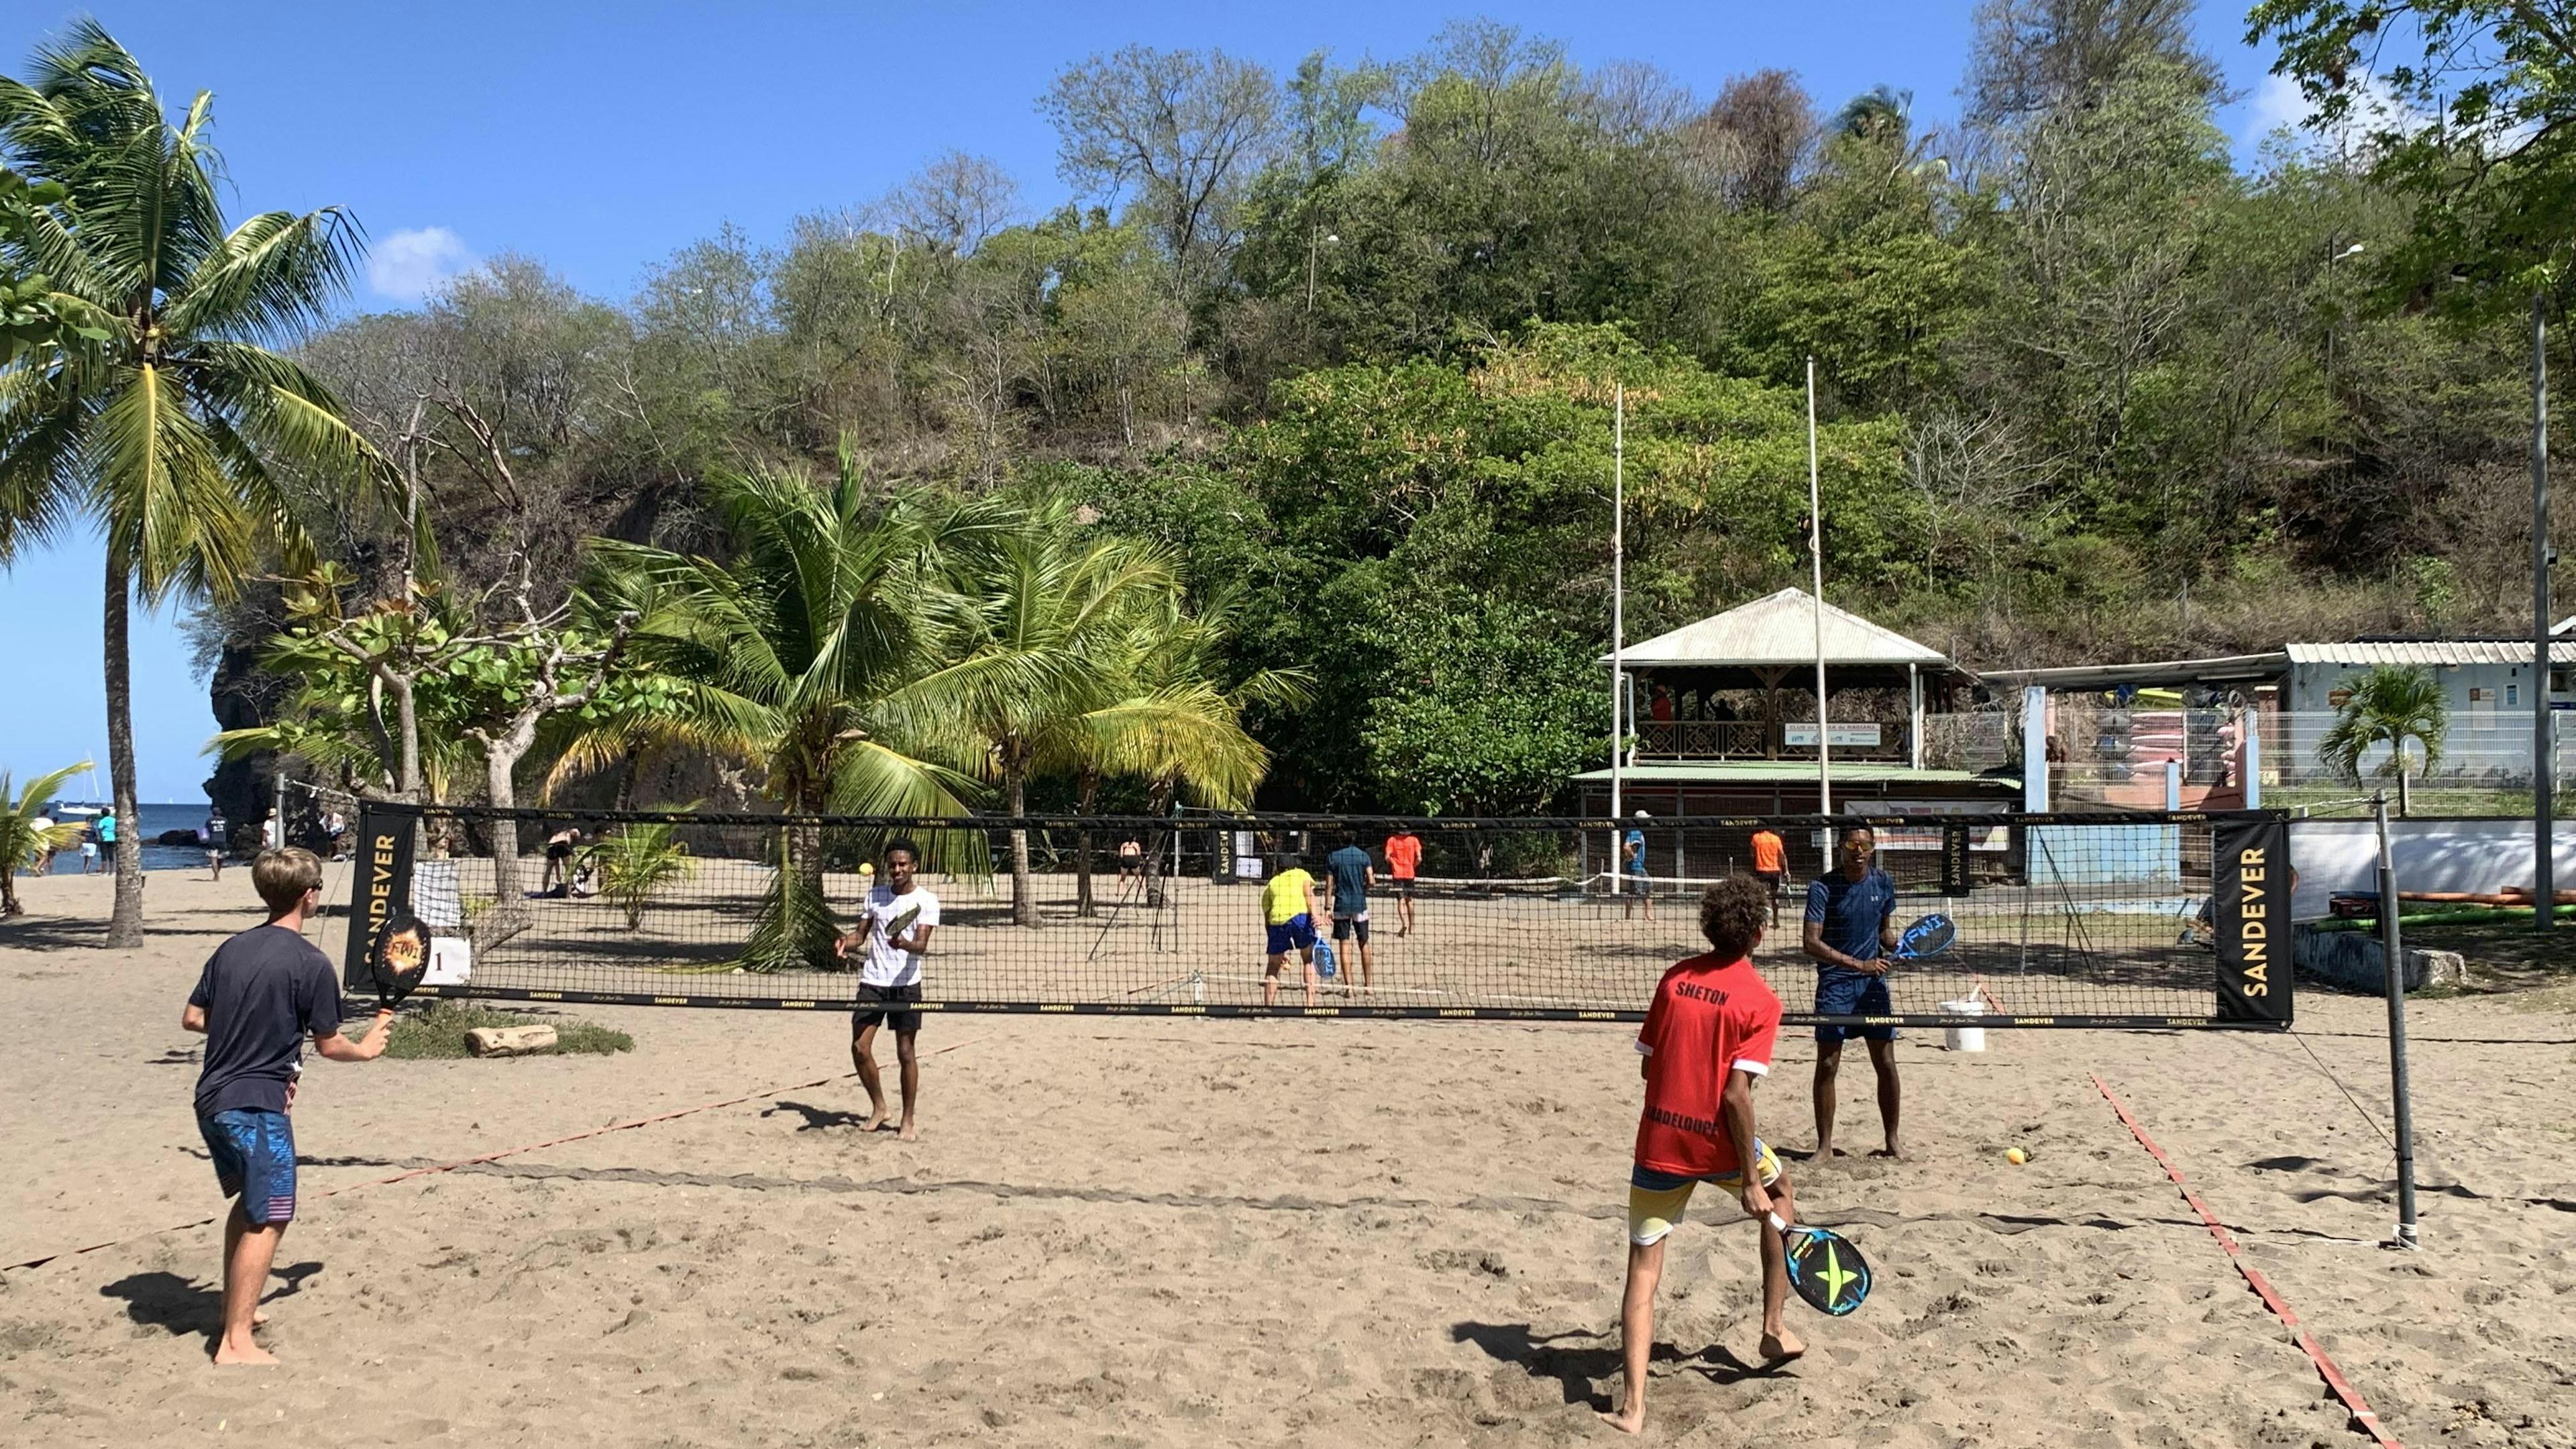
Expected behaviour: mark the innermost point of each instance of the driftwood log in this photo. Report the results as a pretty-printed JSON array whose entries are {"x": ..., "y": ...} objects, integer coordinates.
[{"x": 509, "y": 1041}]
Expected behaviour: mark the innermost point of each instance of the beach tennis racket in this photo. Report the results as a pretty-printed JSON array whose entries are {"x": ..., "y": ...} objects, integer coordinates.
[
  {"x": 900, "y": 924},
  {"x": 1325, "y": 965},
  {"x": 401, "y": 960},
  {"x": 1824, "y": 1268},
  {"x": 1926, "y": 938}
]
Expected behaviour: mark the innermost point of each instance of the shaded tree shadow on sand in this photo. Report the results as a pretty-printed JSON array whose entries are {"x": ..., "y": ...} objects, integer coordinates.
[
  {"x": 180, "y": 1306},
  {"x": 1575, "y": 1369}
]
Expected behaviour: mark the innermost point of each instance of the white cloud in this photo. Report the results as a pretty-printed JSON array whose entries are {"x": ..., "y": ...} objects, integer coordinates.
[
  {"x": 2277, "y": 103},
  {"x": 410, "y": 265},
  {"x": 2274, "y": 104}
]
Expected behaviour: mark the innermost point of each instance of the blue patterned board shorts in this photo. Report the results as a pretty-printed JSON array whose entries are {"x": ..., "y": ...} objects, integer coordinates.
[{"x": 254, "y": 1154}]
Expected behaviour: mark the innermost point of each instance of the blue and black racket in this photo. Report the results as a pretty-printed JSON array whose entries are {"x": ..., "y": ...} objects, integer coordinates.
[
  {"x": 1926, "y": 938},
  {"x": 1824, "y": 1268}
]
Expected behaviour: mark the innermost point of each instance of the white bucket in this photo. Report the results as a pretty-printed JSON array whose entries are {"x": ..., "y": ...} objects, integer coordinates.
[{"x": 1964, "y": 1038}]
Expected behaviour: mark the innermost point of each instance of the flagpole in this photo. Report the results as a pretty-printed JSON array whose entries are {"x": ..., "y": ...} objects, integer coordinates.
[
  {"x": 1618, "y": 606},
  {"x": 1816, "y": 557}
]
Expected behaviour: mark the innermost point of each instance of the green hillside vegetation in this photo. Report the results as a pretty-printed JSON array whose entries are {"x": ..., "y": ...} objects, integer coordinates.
[{"x": 1335, "y": 352}]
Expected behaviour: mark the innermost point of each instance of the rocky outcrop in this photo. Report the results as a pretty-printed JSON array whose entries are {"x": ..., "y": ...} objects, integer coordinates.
[{"x": 243, "y": 695}]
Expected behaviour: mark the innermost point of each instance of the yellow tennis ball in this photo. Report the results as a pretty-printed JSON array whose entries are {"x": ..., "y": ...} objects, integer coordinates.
[{"x": 2016, "y": 1156}]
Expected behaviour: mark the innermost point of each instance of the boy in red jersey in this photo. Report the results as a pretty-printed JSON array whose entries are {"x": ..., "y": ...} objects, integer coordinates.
[{"x": 1707, "y": 1036}]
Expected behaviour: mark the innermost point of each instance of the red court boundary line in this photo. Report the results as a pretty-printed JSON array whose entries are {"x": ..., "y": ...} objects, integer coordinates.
[
  {"x": 2363, "y": 1416},
  {"x": 474, "y": 1161}
]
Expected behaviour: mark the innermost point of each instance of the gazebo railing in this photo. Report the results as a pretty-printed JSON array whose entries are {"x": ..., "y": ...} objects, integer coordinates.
[
  {"x": 1722, "y": 739},
  {"x": 1699, "y": 739}
]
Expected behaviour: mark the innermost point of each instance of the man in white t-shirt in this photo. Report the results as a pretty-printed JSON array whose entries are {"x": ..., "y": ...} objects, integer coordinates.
[{"x": 895, "y": 922}]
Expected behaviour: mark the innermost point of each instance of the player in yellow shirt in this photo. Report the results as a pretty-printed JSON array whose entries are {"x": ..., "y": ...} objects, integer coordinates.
[{"x": 1290, "y": 907}]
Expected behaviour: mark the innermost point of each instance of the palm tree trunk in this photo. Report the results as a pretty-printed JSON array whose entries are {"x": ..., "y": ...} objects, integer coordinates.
[
  {"x": 627, "y": 770},
  {"x": 2402, "y": 799},
  {"x": 125, "y": 927},
  {"x": 9, "y": 892},
  {"x": 1082, "y": 902},
  {"x": 1158, "y": 803},
  {"x": 1024, "y": 901}
]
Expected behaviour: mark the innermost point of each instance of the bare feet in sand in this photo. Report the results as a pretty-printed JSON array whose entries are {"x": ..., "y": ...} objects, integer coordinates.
[
  {"x": 1631, "y": 1418},
  {"x": 909, "y": 1133},
  {"x": 875, "y": 1122},
  {"x": 1782, "y": 1346},
  {"x": 1891, "y": 1152},
  {"x": 227, "y": 1353}
]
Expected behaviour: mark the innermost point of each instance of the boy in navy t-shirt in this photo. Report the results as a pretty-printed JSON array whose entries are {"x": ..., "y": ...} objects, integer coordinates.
[
  {"x": 261, "y": 994},
  {"x": 1708, "y": 1038},
  {"x": 1851, "y": 936}
]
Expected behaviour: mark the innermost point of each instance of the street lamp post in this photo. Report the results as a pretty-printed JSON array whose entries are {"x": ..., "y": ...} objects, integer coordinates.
[{"x": 2354, "y": 250}]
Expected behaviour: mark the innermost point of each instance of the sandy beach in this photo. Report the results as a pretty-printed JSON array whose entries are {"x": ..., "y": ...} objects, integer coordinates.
[{"x": 1139, "y": 1232}]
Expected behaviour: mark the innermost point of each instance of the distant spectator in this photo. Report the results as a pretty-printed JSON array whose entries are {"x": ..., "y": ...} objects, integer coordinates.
[
  {"x": 559, "y": 868},
  {"x": 1403, "y": 864},
  {"x": 1632, "y": 853}
]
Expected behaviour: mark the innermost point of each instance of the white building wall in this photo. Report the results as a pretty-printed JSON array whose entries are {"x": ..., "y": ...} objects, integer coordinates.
[{"x": 2312, "y": 686}]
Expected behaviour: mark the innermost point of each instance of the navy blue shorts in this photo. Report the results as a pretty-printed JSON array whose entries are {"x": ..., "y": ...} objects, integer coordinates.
[
  {"x": 254, "y": 1154},
  {"x": 1297, "y": 933},
  {"x": 1850, "y": 993}
]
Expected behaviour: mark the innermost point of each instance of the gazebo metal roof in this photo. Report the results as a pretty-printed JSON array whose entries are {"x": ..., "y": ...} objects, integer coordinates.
[{"x": 1778, "y": 633}]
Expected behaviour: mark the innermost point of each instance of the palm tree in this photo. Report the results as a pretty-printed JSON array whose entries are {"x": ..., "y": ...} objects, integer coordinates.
[
  {"x": 1176, "y": 723},
  {"x": 171, "y": 431},
  {"x": 1040, "y": 619},
  {"x": 1882, "y": 113},
  {"x": 2390, "y": 705},
  {"x": 22, "y": 841},
  {"x": 805, "y": 653},
  {"x": 1883, "y": 117},
  {"x": 637, "y": 860}
]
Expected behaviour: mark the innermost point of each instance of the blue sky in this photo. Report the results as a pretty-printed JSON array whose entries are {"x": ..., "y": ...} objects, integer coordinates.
[{"x": 601, "y": 138}]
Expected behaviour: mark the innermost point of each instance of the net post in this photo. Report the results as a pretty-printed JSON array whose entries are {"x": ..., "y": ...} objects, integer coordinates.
[{"x": 2391, "y": 942}]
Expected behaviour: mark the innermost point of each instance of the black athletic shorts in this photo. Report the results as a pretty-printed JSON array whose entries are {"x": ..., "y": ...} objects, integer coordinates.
[
  {"x": 1404, "y": 888},
  {"x": 559, "y": 850},
  {"x": 881, "y": 1004},
  {"x": 1770, "y": 879}
]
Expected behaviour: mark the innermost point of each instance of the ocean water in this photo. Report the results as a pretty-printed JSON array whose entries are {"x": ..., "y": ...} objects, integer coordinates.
[{"x": 156, "y": 818}]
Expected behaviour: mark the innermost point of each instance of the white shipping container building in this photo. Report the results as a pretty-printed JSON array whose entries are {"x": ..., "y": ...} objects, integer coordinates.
[{"x": 2487, "y": 683}]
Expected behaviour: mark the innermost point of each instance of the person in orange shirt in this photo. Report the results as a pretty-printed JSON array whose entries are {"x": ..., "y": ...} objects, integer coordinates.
[
  {"x": 1771, "y": 865},
  {"x": 1403, "y": 859}
]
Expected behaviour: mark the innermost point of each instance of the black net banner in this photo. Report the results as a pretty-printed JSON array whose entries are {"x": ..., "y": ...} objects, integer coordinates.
[
  {"x": 381, "y": 883},
  {"x": 2250, "y": 896},
  {"x": 2059, "y": 920}
]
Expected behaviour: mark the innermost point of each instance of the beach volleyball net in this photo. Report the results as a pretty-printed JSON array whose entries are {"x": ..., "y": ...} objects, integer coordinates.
[{"x": 2131, "y": 920}]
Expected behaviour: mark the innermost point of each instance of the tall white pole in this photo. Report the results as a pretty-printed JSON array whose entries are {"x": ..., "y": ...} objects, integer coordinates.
[
  {"x": 1618, "y": 612},
  {"x": 2544, "y": 755},
  {"x": 1816, "y": 556}
]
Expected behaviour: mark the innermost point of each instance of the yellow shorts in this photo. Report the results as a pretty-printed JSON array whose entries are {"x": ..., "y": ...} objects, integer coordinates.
[{"x": 1656, "y": 1200}]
